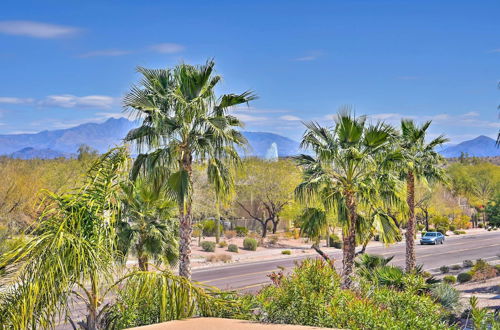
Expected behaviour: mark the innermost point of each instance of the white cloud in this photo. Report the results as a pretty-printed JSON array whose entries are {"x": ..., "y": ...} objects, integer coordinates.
[
  {"x": 167, "y": 48},
  {"x": 72, "y": 101},
  {"x": 312, "y": 56},
  {"x": 249, "y": 118},
  {"x": 15, "y": 100},
  {"x": 36, "y": 29},
  {"x": 290, "y": 118},
  {"x": 471, "y": 114},
  {"x": 495, "y": 50},
  {"x": 386, "y": 116},
  {"x": 105, "y": 52}
]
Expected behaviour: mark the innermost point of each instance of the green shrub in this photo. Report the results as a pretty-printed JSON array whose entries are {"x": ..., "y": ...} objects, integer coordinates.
[
  {"x": 233, "y": 248},
  {"x": 420, "y": 227},
  {"x": 456, "y": 267},
  {"x": 208, "y": 228},
  {"x": 480, "y": 225},
  {"x": 456, "y": 232},
  {"x": 335, "y": 241},
  {"x": 241, "y": 231},
  {"x": 208, "y": 246},
  {"x": 222, "y": 244},
  {"x": 450, "y": 279},
  {"x": 287, "y": 252},
  {"x": 250, "y": 244},
  {"x": 446, "y": 295},
  {"x": 442, "y": 230},
  {"x": 444, "y": 269},
  {"x": 311, "y": 295},
  {"x": 497, "y": 267},
  {"x": 452, "y": 228},
  {"x": 464, "y": 277},
  {"x": 468, "y": 263}
]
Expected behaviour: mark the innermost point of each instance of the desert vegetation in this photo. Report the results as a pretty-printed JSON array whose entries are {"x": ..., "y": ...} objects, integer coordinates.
[{"x": 69, "y": 226}]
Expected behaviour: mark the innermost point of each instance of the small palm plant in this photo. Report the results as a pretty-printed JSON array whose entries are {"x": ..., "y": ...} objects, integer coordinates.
[{"x": 146, "y": 224}]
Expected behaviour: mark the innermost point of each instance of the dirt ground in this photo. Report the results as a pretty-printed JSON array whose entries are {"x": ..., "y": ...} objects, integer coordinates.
[{"x": 487, "y": 292}]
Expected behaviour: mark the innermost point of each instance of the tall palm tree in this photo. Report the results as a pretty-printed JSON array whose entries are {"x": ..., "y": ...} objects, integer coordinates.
[
  {"x": 419, "y": 162},
  {"x": 183, "y": 122},
  {"x": 146, "y": 224},
  {"x": 348, "y": 160}
]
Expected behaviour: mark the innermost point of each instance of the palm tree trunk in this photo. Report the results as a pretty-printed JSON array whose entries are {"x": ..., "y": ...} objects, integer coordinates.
[
  {"x": 349, "y": 241},
  {"x": 217, "y": 222},
  {"x": 410, "y": 227},
  {"x": 185, "y": 225}
]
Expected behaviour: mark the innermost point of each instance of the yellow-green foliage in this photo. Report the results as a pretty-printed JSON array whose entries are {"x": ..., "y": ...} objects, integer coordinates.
[{"x": 22, "y": 181}]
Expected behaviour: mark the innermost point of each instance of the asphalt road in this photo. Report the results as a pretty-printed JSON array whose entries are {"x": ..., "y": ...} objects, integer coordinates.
[{"x": 249, "y": 277}]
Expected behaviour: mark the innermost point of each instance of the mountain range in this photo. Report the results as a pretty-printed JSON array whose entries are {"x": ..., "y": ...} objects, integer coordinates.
[{"x": 102, "y": 136}]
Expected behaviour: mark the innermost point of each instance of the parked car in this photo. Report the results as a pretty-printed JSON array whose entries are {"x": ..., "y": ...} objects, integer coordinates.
[{"x": 432, "y": 237}]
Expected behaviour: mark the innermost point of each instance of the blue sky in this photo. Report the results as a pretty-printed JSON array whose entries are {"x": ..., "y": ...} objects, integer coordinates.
[{"x": 64, "y": 63}]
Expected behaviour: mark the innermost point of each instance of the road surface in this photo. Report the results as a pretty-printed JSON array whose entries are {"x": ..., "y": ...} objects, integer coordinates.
[{"x": 249, "y": 277}]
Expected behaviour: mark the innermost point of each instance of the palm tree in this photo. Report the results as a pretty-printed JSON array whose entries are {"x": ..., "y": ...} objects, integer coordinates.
[
  {"x": 348, "y": 160},
  {"x": 146, "y": 224},
  {"x": 70, "y": 256},
  {"x": 70, "y": 253},
  {"x": 183, "y": 122},
  {"x": 419, "y": 162}
]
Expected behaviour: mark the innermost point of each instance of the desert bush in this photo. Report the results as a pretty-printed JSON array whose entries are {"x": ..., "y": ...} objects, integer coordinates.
[
  {"x": 228, "y": 234},
  {"x": 208, "y": 246},
  {"x": 219, "y": 257},
  {"x": 450, "y": 279},
  {"x": 222, "y": 244},
  {"x": 497, "y": 267},
  {"x": 273, "y": 239},
  {"x": 456, "y": 232},
  {"x": 455, "y": 267},
  {"x": 446, "y": 295},
  {"x": 482, "y": 271},
  {"x": 241, "y": 231},
  {"x": 444, "y": 269},
  {"x": 335, "y": 241},
  {"x": 480, "y": 225},
  {"x": 287, "y": 252},
  {"x": 452, "y": 227},
  {"x": 208, "y": 228},
  {"x": 468, "y": 263},
  {"x": 442, "y": 230},
  {"x": 250, "y": 244},
  {"x": 312, "y": 296},
  {"x": 233, "y": 248},
  {"x": 464, "y": 277}
]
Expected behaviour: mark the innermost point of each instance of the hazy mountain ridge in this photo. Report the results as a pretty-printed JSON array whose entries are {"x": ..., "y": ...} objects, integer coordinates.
[
  {"x": 102, "y": 136},
  {"x": 482, "y": 146},
  {"x": 110, "y": 133}
]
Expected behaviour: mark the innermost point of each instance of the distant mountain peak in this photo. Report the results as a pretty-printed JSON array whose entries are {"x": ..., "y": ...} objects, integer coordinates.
[{"x": 481, "y": 146}]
